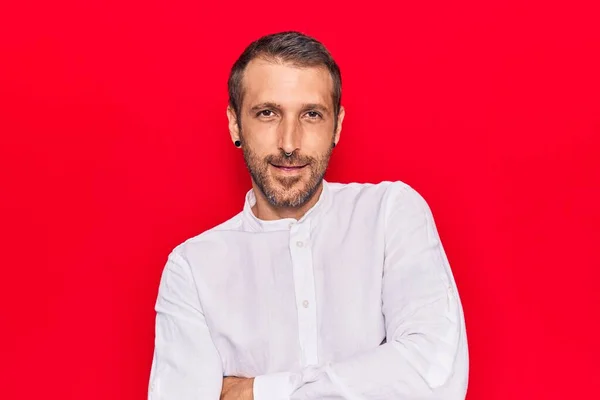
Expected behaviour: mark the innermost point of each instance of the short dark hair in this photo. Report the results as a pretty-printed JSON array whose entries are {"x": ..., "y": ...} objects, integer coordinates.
[{"x": 290, "y": 47}]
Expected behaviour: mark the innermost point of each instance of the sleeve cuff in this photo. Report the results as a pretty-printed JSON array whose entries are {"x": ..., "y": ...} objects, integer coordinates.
[{"x": 278, "y": 386}]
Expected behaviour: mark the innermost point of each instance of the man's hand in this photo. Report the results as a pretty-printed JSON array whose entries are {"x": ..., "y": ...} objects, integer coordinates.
[{"x": 235, "y": 388}]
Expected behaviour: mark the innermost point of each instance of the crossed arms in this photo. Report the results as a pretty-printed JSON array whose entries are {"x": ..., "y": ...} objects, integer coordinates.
[{"x": 425, "y": 356}]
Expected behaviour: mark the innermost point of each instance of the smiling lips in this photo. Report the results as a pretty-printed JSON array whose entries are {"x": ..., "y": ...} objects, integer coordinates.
[{"x": 289, "y": 168}]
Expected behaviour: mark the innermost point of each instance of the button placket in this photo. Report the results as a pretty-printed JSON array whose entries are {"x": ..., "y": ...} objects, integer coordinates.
[{"x": 301, "y": 253}]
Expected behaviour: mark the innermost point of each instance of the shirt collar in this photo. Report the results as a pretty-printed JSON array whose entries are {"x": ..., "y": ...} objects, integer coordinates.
[{"x": 260, "y": 225}]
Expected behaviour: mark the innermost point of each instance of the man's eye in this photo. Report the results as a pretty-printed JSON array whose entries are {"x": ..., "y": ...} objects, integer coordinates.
[
  {"x": 313, "y": 114},
  {"x": 266, "y": 113}
]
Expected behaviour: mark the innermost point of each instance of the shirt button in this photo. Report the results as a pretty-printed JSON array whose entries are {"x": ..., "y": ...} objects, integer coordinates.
[
  {"x": 305, "y": 303},
  {"x": 299, "y": 244},
  {"x": 291, "y": 225}
]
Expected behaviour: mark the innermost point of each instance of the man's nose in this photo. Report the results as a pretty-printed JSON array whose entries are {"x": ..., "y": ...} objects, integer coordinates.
[{"x": 290, "y": 136}]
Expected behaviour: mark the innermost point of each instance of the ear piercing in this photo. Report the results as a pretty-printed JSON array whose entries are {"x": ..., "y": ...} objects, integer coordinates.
[{"x": 237, "y": 143}]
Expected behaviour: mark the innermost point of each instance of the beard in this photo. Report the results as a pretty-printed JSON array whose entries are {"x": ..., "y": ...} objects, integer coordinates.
[{"x": 287, "y": 191}]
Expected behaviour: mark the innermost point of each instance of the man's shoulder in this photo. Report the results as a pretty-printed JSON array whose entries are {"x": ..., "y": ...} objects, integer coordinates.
[
  {"x": 382, "y": 189},
  {"x": 384, "y": 196},
  {"x": 212, "y": 237}
]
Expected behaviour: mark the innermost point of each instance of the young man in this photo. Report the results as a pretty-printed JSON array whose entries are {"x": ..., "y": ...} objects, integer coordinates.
[{"x": 316, "y": 290}]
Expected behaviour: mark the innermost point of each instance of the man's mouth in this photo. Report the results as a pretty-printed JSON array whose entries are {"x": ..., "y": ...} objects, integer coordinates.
[{"x": 289, "y": 168}]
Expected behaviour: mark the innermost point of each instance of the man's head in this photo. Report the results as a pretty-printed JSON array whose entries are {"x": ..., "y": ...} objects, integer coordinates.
[{"x": 285, "y": 111}]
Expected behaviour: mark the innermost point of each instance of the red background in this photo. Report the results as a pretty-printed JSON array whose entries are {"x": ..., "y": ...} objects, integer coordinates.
[{"x": 114, "y": 148}]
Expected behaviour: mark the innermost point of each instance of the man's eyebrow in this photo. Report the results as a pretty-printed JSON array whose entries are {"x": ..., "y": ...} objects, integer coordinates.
[
  {"x": 262, "y": 106},
  {"x": 316, "y": 106}
]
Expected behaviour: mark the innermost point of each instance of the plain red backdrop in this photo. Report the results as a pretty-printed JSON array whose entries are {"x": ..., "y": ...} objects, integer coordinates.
[{"x": 114, "y": 148}]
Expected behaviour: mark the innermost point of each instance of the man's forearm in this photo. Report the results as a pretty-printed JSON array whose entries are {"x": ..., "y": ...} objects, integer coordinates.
[{"x": 235, "y": 388}]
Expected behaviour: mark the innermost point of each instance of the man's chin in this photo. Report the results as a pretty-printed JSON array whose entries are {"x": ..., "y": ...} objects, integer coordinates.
[
  {"x": 293, "y": 197},
  {"x": 286, "y": 194},
  {"x": 287, "y": 183}
]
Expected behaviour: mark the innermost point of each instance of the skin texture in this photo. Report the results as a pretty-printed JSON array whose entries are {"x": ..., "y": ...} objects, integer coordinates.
[
  {"x": 237, "y": 389},
  {"x": 286, "y": 109}
]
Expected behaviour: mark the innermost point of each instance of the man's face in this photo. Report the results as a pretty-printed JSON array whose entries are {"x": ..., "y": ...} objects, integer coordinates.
[{"x": 286, "y": 109}]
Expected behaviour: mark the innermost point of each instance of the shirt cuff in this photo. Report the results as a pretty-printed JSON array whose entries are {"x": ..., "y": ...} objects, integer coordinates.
[{"x": 277, "y": 386}]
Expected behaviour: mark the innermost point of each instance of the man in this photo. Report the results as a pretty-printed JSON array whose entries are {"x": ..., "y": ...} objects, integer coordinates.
[{"x": 315, "y": 290}]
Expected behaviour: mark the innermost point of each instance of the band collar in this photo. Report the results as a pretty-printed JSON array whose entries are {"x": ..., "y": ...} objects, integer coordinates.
[{"x": 259, "y": 225}]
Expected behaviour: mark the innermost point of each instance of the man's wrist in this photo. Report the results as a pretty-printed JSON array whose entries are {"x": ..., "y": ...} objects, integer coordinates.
[{"x": 249, "y": 389}]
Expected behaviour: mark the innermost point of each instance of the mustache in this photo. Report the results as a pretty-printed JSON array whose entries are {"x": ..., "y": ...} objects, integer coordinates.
[{"x": 295, "y": 160}]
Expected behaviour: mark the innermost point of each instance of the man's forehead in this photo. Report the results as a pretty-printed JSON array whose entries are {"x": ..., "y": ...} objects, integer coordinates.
[{"x": 280, "y": 82}]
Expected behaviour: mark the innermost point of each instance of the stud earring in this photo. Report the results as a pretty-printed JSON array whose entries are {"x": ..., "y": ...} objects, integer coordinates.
[{"x": 237, "y": 143}]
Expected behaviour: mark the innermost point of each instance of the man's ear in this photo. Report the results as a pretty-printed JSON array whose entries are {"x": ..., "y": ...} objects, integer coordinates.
[
  {"x": 340, "y": 121},
  {"x": 234, "y": 128}
]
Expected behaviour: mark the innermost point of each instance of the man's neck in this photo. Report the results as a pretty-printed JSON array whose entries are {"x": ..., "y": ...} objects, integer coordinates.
[{"x": 265, "y": 211}]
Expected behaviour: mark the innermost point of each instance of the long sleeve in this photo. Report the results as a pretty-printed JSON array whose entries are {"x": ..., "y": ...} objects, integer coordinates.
[
  {"x": 425, "y": 355},
  {"x": 186, "y": 364}
]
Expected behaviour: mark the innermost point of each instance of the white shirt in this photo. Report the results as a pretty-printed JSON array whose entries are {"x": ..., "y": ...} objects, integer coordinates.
[{"x": 304, "y": 305}]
